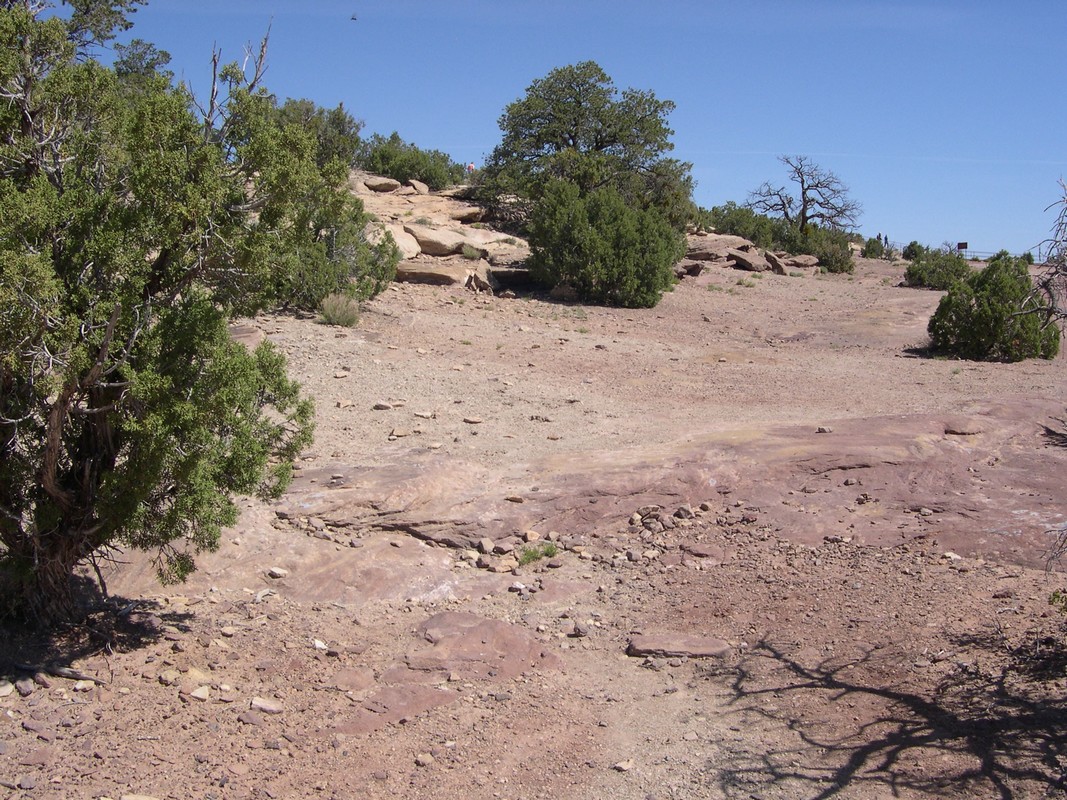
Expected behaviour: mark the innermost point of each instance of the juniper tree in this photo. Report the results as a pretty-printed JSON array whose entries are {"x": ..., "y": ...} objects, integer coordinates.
[{"x": 134, "y": 227}]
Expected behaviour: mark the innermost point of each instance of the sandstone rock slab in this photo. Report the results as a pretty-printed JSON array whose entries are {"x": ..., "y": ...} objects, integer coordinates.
[{"x": 670, "y": 644}]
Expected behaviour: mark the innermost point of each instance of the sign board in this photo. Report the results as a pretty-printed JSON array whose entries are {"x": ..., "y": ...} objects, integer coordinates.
[{"x": 962, "y": 246}]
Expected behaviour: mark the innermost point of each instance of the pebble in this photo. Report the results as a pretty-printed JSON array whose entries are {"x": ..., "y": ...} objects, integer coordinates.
[
  {"x": 250, "y": 717},
  {"x": 170, "y": 677},
  {"x": 266, "y": 706},
  {"x": 24, "y": 687},
  {"x": 6, "y": 688},
  {"x": 277, "y": 572},
  {"x": 424, "y": 760},
  {"x": 624, "y": 766},
  {"x": 579, "y": 631}
]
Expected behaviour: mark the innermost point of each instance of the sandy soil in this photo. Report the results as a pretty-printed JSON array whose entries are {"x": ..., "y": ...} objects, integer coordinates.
[{"x": 859, "y": 537}]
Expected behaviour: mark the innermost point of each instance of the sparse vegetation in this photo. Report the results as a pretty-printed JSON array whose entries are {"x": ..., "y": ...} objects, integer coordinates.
[
  {"x": 538, "y": 551},
  {"x": 471, "y": 252},
  {"x": 340, "y": 309}
]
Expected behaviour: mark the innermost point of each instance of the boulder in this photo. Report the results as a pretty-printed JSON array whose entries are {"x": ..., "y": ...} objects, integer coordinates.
[
  {"x": 484, "y": 236},
  {"x": 777, "y": 265},
  {"x": 379, "y": 184},
  {"x": 467, "y": 214},
  {"x": 689, "y": 267},
  {"x": 464, "y": 272},
  {"x": 408, "y": 244},
  {"x": 801, "y": 261},
  {"x": 751, "y": 260},
  {"x": 713, "y": 246},
  {"x": 437, "y": 241},
  {"x": 419, "y": 186},
  {"x": 437, "y": 273}
]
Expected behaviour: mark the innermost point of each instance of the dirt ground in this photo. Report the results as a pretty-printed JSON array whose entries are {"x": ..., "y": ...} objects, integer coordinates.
[{"x": 791, "y": 556}]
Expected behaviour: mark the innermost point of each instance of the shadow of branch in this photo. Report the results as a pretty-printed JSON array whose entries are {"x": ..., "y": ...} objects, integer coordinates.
[{"x": 849, "y": 722}]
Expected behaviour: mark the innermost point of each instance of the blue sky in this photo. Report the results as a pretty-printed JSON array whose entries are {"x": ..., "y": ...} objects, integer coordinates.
[{"x": 945, "y": 118}]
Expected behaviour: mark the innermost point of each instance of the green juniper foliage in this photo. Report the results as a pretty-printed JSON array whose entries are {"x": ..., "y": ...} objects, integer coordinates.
[
  {"x": 995, "y": 315},
  {"x": 403, "y": 161},
  {"x": 936, "y": 269},
  {"x": 574, "y": 125},
  {"x": 583, "y": 168},
  {"x": 607, "y": 251},
  {"x": 133, "y": 230}
]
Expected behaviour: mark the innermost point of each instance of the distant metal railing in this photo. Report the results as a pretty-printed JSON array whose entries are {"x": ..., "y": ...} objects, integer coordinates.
[{"x": 979, "y": 255}]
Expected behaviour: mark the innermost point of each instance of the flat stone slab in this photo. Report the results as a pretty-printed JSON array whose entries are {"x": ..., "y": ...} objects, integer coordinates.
[
  {"x": 468, "y": 646},
  {"x": 391, "y": 704},
  {"x": 677, "y": 645}
]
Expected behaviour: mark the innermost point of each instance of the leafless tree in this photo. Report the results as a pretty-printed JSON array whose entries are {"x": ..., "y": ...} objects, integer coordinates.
[
  {"x": 819, "y": 198},
  {"x": 1050, "y": 285},
  {"x": 1050, "y": 292}
]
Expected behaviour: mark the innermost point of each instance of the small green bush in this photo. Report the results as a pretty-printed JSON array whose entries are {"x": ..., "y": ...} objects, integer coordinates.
[
  {"x": 873, "y": 248},
  {"x": 537, "y": 552},
  {"x": 936, "y": 269},
  {"x": 605, "y": 250},
  {"x": 992, "y": 316},
  {"x": 471, "y": 252},
  {"x": 912, "y": 251},
  {"x": 339, "y": 309}
]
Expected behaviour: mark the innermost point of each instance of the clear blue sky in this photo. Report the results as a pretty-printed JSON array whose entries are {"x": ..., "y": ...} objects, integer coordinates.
[{"x": 945, "y": 117}]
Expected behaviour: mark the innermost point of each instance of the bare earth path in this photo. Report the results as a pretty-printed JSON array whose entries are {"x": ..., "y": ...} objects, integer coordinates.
[{"x": 861, "y": 533}]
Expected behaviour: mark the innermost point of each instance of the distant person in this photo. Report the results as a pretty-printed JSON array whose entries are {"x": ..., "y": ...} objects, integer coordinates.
[{"x": 470, "y": 168}]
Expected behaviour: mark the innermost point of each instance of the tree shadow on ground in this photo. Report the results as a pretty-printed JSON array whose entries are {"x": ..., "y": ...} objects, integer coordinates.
[
  {"x": 1056, "y": 436},
  {"x": 974, "y": 732},
  {"x": 111, "y": 624}
]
